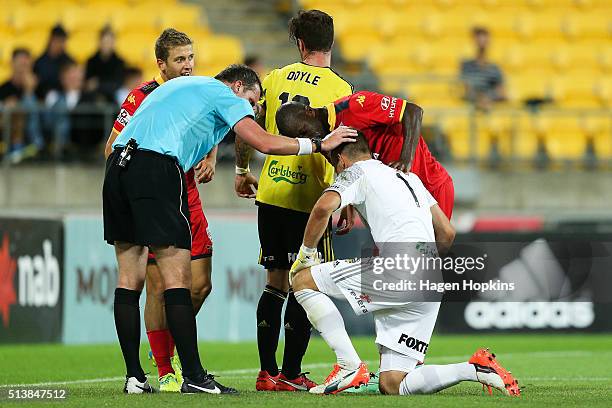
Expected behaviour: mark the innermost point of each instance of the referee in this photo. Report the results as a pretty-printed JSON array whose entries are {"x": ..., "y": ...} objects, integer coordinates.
[{"x": 145, "y": 201}]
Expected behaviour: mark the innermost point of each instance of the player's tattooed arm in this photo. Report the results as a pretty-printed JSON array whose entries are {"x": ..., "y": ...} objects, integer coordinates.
[
  {"x": 413, "y": 117},
  {"x": 243, "y": 150}
]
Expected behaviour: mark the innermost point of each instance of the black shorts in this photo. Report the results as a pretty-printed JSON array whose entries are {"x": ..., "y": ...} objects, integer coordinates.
[
  {"x": 281, "y": 232},
  {"x": 146, "y": 203}
]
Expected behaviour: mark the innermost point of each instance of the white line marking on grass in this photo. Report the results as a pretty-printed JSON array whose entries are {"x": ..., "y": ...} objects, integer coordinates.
[{"x": 241, "y": 372}]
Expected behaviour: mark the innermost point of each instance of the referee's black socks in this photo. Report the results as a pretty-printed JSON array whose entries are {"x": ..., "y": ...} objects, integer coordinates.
[
  {"x": 269, "y": 311},
  {"x": 127, "y": 323},
  {"x": 297, "y": 335},
  {"x": 182, "y": 325}
]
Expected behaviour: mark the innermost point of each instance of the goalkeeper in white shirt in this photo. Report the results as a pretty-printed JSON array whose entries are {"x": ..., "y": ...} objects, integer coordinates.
[{"x": 400, "y": 213}]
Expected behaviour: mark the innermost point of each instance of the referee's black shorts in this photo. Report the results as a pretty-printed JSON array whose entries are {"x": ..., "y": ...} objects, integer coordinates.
[
  {"x": 146, "y": 203},
  {"x": 281, "y": 232}
]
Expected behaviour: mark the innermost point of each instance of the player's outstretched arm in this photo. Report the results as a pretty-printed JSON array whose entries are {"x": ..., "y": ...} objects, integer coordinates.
[
  {"x": 445, "y": 232},
  {"x": 255, "y": 136},
  {"x": 413, "y": 117}
]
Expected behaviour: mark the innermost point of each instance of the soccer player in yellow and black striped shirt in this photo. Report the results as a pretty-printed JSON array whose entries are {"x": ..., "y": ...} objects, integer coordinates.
[{"x": 288, "y": 189}]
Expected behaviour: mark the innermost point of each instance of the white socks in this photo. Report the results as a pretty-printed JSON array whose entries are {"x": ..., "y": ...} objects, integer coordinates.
[
  {"x": 326, "y": 318},
  {"x": 429, "y": 379}
]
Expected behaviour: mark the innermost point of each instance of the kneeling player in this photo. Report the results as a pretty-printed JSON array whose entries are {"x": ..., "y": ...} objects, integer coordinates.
[{"x": 398, "y": 209}]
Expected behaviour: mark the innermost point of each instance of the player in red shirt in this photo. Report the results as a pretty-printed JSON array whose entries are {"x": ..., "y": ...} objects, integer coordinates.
[
  {"x": 392, "y": 127},
  {"x": 175, "y": 58}
]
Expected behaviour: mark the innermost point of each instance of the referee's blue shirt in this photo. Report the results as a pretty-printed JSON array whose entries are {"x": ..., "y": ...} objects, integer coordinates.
[{"x": 185, "y": 118}]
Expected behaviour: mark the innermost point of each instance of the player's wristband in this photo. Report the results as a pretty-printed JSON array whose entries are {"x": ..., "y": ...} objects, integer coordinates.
[
  {"x": 241, "y": 171},
  {"x": 317, "y": 142},
  {"x": 305, "y": 146},
  {"x": 307, "y": 250}
]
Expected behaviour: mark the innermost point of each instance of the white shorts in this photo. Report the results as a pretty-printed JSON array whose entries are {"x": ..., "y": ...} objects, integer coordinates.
[
  {"x": 405, "y": 328},
  {"x": 393, "y": 361}
]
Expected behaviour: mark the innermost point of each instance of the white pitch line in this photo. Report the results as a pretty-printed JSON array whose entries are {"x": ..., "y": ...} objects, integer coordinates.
[{"x": 242, "y": 371}]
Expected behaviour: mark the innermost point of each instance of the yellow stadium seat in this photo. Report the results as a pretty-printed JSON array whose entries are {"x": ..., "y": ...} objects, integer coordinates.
[
  {"x": 540, "y": 55},
  {"x": 603, "y": 91},
  {"x": 457, "y": 128},
  {"x": 91, "y": 18},
  {"x": 434, "y": 93},
  {"x": 525, "y": 137},
  {"x": 186, "y": 16},
  {"x": 136, "y": 47},
  {"x": 33, "y": 40},
  {"x": 82, "y": 44},
  {"x": 493, "y": 129},
  {"x": 538, "y": 26},
  {"x": 5, "y": 73},
  {"x": 564, "y": 137},
  {"x": 588, "y": 26},
  {"x": 219, "y": 50},
  {"x": 35, "y": 18},
  {"x": 598, "y": 130},
  {"x": 389, "y": 61},
  {"x": 136, "y": 19},
  {"x": 576, "y": 91},
  {"x": 358, "y": 46},
  {"x": 529, "y": 85}
]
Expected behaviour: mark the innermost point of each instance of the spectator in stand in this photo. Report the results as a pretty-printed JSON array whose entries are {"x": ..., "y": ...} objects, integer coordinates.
[
  {"x": 71, "y": 117},
  {"x": 18, "y": 93},
  {"x": 133, "y": 78},
  {"x": 105, "y": 69},
  {"x": 47, "y": 66},
  {"x": 483, "y": 80}
]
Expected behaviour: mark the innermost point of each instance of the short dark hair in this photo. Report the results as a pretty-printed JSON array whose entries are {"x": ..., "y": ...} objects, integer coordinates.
[
  {"x": 58, "y": 31},
  {"x": 170, "y": 38},
  {"x": 107, "y": 29},
  {"x": 351, "y": 149},
  {"x": 239, "y": 72},
  {"x": 250, "y": 60},
  {"x": 315, "y": 28},
  {"x": 478, "y": 30},
  {"x": 20, "y": 51},
  {"x": 291, "y": 119}
]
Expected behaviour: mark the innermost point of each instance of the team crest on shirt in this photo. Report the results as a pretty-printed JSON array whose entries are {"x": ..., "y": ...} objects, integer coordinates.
[
  {"x": 361, "y": 99},
  {"x": 131, "y": 99}
]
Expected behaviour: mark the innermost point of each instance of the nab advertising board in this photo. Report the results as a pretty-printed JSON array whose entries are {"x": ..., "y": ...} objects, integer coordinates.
[{"x": 31, "y": 282}]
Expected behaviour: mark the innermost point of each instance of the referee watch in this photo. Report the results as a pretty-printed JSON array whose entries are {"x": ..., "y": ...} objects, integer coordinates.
[{"x": 317, "y": 142}]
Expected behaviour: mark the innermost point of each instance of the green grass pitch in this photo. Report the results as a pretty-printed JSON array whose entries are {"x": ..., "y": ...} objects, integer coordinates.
[{"x": 554, "y": 370}]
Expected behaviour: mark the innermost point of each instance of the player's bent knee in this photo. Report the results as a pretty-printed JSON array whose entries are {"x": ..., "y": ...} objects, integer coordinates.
[
  {"x": 301, "y": 280},
  {"x": 202, "y": 291}
]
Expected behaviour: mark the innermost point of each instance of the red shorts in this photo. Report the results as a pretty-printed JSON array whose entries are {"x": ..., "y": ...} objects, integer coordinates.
[
  {"x": 201, "y": 242},
  {"x": 445, "y": 196}
]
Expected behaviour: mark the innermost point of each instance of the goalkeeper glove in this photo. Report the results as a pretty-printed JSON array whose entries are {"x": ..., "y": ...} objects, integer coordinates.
[{"x": 306, "y": 258}]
